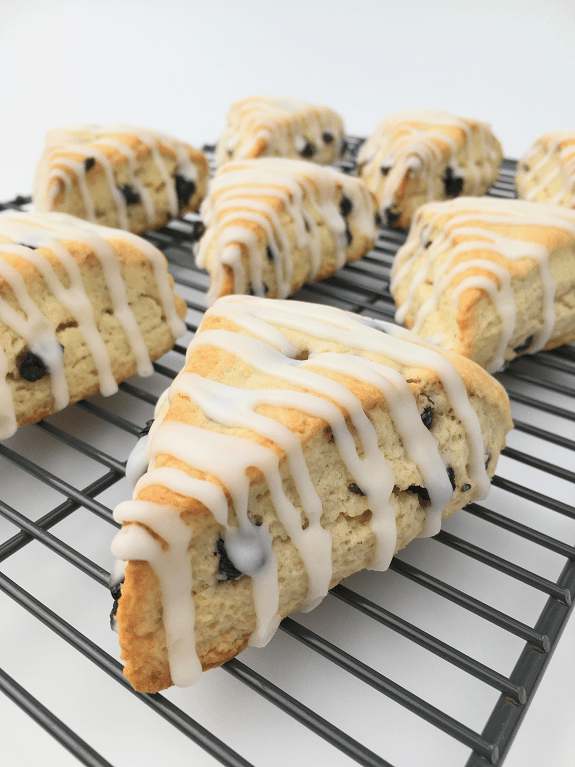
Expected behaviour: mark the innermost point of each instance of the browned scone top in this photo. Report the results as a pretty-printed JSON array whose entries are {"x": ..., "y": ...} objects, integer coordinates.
[
  {"x": 82, "y": 307},
  {"x": 299, "y": 444},
  {"x": 488, "y": 278},
  {"x": 269, "y": 126},
  {"x": 546, "y": 173},
  {"x": 420, "y": 155},
  {"x": 274, "y": 224},
  {"x": 119, "y": 176}
]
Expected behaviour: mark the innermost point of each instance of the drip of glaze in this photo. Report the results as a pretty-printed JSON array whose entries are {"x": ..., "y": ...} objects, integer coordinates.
[
  {"x": 472, "y": 225},
  {"x": 227, "y": 457}
]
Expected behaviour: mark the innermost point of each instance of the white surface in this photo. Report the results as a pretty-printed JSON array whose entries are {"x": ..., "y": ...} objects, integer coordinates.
[{"x": 177, "y": 66}]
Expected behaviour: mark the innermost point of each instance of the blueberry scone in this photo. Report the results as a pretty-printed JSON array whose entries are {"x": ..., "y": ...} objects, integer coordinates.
[
  {"x": 281, "y": 127},
  {"x": 488, "y": 278},
  {"x": 119, "y": 176},
  {"x": 546, "y": 173},
  {"x": 299, "y": 444},
  {"x": 273, "y": 225},
  {"x": 82, "y": 307},
  {"x": 421, "y": 155}
]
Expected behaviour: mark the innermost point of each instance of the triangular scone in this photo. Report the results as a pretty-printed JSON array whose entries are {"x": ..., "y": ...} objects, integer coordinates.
[
  {"x": 421, "y": 155},
  {"x": 82, "y": 307},
  {"x": 300, "y": 444},
  {"x": 488, "y": 278},
  {"x": 119, "y": 176},
  {"x": 546, "y": 173},
  {"x": 274, "y": 225},
  {"x": 261, "y": 126}
]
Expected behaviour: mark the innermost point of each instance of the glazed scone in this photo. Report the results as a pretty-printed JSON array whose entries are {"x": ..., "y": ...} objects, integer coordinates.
[
  {"x": 119, "y": 176},
  {"x": 82, "y": 307},
  {"x": 421, "y": 155},
  {"x": 488, "y": 278},
  {"x": 300, "y": 444},
  {"x": 546, "y": 173},
  {"x": 274, "y": 224},
  {"x": 281, "y": 127}
]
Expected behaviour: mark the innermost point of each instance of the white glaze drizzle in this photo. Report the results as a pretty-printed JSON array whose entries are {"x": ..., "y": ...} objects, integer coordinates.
[
  {"x": 476, "y": 219},
  {"x": 285, "y": 125},
  {"x": 49, "y": 230},
  {"x": 231, "y": 206},
  {"x": 227, "y": 457},
  {"x": 84, "y": 140},
  {"x": 562, "y": 159},
  {"x": 419, "y": 151}
]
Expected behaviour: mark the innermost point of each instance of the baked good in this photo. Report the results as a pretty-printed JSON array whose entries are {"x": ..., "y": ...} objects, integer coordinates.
[
  {"x": 546, "y": 173},
  {"x": 261, "y": 126},
  {"x": 274, "y": 224},
  {"x": 488, "y": 278},
  {"x": 120, "y": 176},
  {"x": 421, "y": 155},
  {"x": 300, "y": 444},
  {"x": 82, "y": 307}
]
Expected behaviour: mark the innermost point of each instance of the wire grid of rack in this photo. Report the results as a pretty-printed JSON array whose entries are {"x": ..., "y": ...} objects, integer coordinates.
[{"x": 72, "y": 464}]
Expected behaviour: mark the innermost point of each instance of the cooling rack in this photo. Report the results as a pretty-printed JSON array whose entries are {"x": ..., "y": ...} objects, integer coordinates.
[{"x": 433, "y": 662}]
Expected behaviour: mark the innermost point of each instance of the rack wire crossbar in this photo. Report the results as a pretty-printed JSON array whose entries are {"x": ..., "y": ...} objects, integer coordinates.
[{"x": 361, "y": 288}]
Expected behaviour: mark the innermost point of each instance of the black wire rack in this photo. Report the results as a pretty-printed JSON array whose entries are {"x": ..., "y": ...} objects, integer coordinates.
[{"x": 62, "y": 477}]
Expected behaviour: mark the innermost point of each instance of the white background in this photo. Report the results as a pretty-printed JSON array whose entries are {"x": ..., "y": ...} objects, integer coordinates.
[{"x": 177, "y": 66}]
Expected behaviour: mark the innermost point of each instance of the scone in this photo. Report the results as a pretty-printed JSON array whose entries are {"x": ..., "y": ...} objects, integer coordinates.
[
  {"x": 82, "y": 307},
  {"x": 119, "y": 176},
  {"x": 273, "y": 225},
  {"x": 262, "y": 126},
  {"x": 421, "y": 155},
  {"x": 546, "y": 173},
  {"x": 488, "y": 278},
  {"x": 300, "y": 444}
]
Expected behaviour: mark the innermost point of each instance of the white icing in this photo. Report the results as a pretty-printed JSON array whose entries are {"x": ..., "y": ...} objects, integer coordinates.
[
  {"x": 411, "y": 142},
  {"x": 244, "y": 193},
  {"x": 86, "y": 140},
  {"x": 472, "y": 223},
  {"x": 227, "y": 457},
  {"x": 50, "y": 230},
  {"x": 285, "y": 126}
]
